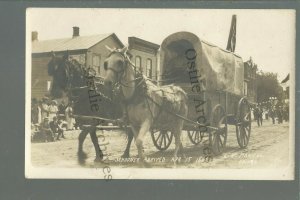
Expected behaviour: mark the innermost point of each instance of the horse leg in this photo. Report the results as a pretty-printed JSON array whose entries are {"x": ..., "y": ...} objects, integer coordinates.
[
  {"x": 81, "y": 155},
  {"x": 145, "y": 127},
  {"x": 99, "y": 153},
  {"x": 129, "y": 140},
  {"x": 177, "y": 134}
]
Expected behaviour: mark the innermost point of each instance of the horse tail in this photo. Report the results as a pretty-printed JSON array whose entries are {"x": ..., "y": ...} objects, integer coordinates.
[
  {"x": 50, "y": 68},
  {"x": 183, "y": 94}
]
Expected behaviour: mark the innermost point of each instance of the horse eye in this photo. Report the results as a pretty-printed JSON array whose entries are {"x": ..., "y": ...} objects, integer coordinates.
[
  {"x": 105, "y": 65},
  {"x": 120, "y": 63}
]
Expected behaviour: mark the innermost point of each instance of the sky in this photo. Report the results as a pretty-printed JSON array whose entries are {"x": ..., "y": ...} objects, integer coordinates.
[{"x": 268, "y": 36}]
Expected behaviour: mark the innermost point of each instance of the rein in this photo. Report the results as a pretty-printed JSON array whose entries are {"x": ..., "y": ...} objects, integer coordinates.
[
  {"x": 126, "y": 61},
  {"x": 70, "y": 77}
]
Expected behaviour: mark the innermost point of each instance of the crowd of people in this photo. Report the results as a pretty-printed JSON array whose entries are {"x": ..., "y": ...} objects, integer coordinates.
[
  {"x": 278, "y": 112},
  {"x": 49, "y": 119}
]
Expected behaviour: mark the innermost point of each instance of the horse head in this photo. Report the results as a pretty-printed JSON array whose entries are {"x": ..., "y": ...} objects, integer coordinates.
[
  {"x": 115, "y": 66},
  {"x": 66, "y": 73}
]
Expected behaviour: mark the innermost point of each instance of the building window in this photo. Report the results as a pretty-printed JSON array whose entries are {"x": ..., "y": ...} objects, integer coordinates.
[
  {"x": 245, "y": 88},
  {"x": 138, "y": 63},
  {"x": 48, "y": 85},
  {"x": 96, "y": 63},
  {"x": 80, "y": 58},
  {"x": 149, "y": 68}
]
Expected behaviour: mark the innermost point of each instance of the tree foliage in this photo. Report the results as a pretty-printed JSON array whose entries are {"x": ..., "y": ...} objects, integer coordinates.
[{"x": 268, "y": 86}]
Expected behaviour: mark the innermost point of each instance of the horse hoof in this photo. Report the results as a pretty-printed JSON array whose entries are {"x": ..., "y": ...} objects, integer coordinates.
[
  {"x": 81, "y": 157},
  {"x": 146, "y": 164},
  {"x": 125, "y": 155},
  {"x": 98, "y": 160}
]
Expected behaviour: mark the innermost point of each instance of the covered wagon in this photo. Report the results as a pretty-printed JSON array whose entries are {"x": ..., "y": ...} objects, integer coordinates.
[{"x": 213, "y": 78}]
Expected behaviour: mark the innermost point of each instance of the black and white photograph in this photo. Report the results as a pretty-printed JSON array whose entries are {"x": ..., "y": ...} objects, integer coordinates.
[{"x": 160, "y": 94}]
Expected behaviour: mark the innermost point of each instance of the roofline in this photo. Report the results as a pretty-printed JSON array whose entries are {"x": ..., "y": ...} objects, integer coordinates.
[
  {"x": 151, "y": 44},
  {"x": 113, "y": 35},
  {"x": 59, "y": 52}
]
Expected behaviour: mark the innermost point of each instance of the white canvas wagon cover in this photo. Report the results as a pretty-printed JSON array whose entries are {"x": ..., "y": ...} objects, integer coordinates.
[{"x": 221, "y": 69}]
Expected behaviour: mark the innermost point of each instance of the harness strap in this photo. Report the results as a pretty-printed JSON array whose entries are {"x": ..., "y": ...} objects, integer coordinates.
[
  {"x": 172, "y": 113},
  {"x": 160, "y": 110}
]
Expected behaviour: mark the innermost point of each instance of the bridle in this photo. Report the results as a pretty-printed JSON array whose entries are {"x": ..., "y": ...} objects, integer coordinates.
[
  {"x": 72, "y": 67},
  {"x": 120, "y": 74}
]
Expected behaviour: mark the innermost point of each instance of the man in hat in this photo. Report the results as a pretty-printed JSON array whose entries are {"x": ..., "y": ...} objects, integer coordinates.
[
  {"x": 46, "y": 130},
  {"x": 272, "y": 114},
  {"x": 61, "y": 110},
  {"x": 69, "y": 116},
  {"x": 279, "y": 114},
  {"x": 44, "y": 108},
  {"x": 53, "y": 109},
  {"x": 258, "y": 115},
  {"x": 56, "y": 128},
  {"x": 34, "y": 111}
]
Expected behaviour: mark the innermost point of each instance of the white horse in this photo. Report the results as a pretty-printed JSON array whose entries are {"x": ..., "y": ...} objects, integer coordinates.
[{"x": 146, "y": 105}]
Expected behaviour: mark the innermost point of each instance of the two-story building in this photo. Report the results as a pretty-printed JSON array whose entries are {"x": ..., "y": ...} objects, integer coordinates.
[
  {"x": 144, "y": 56},
  {"x": 89, "y": 51}
]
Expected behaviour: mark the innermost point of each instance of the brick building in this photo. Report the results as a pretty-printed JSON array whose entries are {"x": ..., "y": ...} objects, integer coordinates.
[
  {"x": 90, "y": 51},
  {"x": 145, "y": 56}
]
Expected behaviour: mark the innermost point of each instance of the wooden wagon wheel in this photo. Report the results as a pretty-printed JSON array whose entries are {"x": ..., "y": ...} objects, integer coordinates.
[
  {"x": 162, "y": 139},
  {"x": 243, "y": 125},
  {"x": 218, "y": 135},
  {"x": 195, "y": 136}
]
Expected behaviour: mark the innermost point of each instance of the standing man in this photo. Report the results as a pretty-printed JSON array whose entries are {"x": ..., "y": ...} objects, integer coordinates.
[
  {"x": 52, "y": 110},
  {"x": 279, "y": 114},
  {"x": 46, "y": 130},
  {"x": 256, "y": 114},
  {"x": 61, "y": 110},
  {"x": 260, "y": 114},
  {"x": 69, "y": 116},
  {"x": 56, "y": 128},
  {"x": 272, "y": 114},
  {"x": 34, "y": 111},
  {"x": 44, "y": 109}
]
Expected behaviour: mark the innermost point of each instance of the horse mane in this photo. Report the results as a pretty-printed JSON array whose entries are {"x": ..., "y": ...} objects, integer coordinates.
[{"x": 51, "y": 64}]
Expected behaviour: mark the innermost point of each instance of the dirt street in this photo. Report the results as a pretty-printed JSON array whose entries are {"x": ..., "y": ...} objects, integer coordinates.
[{"x": 268, "y": 148}]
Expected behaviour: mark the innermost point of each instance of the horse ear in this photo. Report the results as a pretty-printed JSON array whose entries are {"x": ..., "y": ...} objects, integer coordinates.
[
  {"x": 66, "y": 55},
  {"x": 124, "y": 50},
  {"x": 109, "y": 49}
]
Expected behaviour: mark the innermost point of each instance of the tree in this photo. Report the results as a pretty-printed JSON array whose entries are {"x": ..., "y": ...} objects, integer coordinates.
[{"x": 268, "y": 86}]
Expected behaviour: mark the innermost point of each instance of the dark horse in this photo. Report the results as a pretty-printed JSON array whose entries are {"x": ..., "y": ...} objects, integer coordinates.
[{"x": 75, "y": 83}]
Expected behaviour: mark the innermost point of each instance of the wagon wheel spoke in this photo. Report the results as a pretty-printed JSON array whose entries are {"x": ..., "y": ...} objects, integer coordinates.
[
  {"x": 243, "y": 135},
  {"x": 162, "y": 139},
  {"x": 195, "y": 136},
  {"x": 165, "y": 140},
  {"x": 167, "y": 136},
  {"x": 159, "y": 135},
  {"x": 243, "y": 128},
  {"x": 198, "y": 136},
  {"x": 219, "y": 136}
]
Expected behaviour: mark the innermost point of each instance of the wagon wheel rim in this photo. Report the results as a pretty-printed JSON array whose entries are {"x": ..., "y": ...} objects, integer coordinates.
[
  {"x": 162, "y": 139},
  {"x": 218, "y": 136},
  {"x": 243, "y": 126},
  {"x": 195, "y": 136}
]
